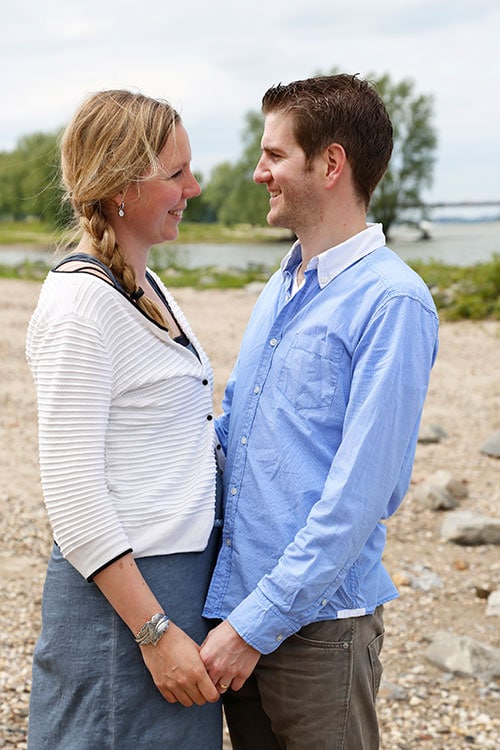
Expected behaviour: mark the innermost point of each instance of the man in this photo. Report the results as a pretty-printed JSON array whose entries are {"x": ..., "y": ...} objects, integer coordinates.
[{"x": 320, "y": 424}]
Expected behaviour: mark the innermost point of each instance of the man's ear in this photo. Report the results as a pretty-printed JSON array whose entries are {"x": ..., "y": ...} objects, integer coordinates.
[{"x": 335, "y": 160}]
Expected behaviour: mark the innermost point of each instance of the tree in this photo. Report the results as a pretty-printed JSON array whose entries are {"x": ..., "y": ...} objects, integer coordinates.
[
  {"x": 199, "y": 209},
  {"x": 30, "y": 180},
  {"x": 231, "y": 190},
  {"x": 11, "y": 176},
  {"x": 412, "y": 162},
  {"x": 41, "y": 188},
  {"x": 236, "y": 200}
]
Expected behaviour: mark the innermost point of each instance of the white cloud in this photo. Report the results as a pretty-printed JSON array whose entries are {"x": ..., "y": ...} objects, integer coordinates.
[{"x": 214, "y": 61}]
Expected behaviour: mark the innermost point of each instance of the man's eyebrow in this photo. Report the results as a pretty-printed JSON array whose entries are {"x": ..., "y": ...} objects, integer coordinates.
[{"x": 269, "y": 147}]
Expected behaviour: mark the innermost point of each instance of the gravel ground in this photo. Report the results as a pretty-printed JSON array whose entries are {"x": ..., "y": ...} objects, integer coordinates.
[{"x": 420, "y": 708}]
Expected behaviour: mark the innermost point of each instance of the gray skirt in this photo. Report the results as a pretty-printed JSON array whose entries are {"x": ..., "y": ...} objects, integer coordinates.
[{"x": 91, "y": 689}]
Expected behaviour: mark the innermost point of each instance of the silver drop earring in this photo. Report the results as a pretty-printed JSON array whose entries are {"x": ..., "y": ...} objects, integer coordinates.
[{"x": 121, "y": 210}]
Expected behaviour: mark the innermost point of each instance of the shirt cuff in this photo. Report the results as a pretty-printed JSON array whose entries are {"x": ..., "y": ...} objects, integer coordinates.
[{"x": 259, "y": 622}]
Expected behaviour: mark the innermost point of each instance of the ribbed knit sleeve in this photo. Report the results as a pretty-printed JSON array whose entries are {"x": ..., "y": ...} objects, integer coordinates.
[
  {"x": 74, "y": 386},
  {"x": 126, "y": 435}
]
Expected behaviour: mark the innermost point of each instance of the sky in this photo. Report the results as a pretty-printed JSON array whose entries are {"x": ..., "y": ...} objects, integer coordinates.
[{"x": 214, "y": 59}]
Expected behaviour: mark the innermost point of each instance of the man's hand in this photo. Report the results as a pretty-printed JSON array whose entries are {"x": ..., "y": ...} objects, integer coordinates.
[{"x": 228, "y": 659}]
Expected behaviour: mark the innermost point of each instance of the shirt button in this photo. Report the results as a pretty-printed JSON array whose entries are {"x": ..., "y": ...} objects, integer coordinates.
[
  {"x": 209, "y": 417},
  {"x": 204, "y": 381},
  {"x": 279, "y": 637},
  {"x": 273, "y": 342},
  {"x": 324, "y": 602},
  {"x": 256, "y": 389},
  {"x": 243, "y": 440},
  {"x": 233, "y": 490},
  {"x": 228, "y": 542}
]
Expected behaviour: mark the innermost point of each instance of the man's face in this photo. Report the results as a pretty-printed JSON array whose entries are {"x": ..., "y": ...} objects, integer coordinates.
[{"x": 294, "y": 187}]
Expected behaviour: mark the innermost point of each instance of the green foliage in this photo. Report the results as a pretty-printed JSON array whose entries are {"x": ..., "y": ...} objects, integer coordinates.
[
  {"x": 36, "y": 233},
  {"x": 471, "y": 293},
  {"x": 29, "y": 231},
  {"x": 220, "y": 186},
  {"x": 412, "y": 162},
  {"x": 29, "y": 180},
  {"x": 231, "y": 190},
  {"x": 199, "y": 210},
  {"x": 210, "y": 277},
  {"x": 235, "y": 199},
  {"x": 29, "y": 270}
]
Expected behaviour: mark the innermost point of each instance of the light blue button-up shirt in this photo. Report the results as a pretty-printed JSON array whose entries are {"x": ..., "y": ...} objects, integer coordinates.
[{"x": 320, "y": 424}]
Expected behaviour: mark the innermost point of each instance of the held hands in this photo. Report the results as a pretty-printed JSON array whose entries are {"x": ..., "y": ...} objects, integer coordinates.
[
  {"x": 228, "y": 659},
  {"x": 177, "y": 669},
  {"x": 175, "y": 663},
  {"x": 185, "y": 673}
]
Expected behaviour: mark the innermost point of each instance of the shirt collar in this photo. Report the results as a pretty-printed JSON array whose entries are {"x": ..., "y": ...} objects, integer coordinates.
[{"x": 330, "y": 263}]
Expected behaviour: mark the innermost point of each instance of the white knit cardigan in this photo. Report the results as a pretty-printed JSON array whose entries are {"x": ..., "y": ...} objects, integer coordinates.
[{"x": 126, "y": 435}]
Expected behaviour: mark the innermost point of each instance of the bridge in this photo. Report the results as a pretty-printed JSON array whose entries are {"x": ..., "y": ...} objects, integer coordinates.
[{"x": 457, "y": 204}]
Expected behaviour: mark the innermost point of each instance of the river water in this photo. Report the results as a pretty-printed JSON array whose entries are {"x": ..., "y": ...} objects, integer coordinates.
[
  {"x": 453, "y": 243},
  {"x": 460, "y": 243}
]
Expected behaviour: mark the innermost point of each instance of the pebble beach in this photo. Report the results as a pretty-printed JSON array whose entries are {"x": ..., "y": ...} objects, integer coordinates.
[{"x": 420, "y": 706}]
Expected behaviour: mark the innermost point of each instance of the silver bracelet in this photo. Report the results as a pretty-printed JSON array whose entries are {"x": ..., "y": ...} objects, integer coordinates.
[{"x": 152, "y": 630}]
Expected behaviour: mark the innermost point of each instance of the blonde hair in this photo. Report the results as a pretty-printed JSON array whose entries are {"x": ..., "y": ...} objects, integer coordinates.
[{"x": 113, "y": 140}]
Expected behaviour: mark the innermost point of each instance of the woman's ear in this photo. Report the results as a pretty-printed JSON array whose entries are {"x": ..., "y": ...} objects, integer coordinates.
[
  {"x": 118, "y": 198},
  {"x": 117, "y": 202}
]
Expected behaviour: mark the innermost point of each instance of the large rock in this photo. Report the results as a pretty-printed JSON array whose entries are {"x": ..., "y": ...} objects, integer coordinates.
[
  {"x": 463, "y": 655},
  {"x": 493, "y": 604},
  {"x": 430, "y": 433},
  {"x": 468, "y": 528},
  {"x": 434, "y": 497},
  {"x": 440, "y": 491},
  {"x": 492, "y": 446},
  {"x": 444, "y": 479}
]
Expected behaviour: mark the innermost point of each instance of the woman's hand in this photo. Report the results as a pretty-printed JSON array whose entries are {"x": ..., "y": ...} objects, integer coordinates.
[
  {"x": 177, "y": 669},
  {"x": 174, "y": 663}
]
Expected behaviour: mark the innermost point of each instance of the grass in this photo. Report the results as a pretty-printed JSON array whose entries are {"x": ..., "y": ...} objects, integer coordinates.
[
  {"x": 39, "y": 235},
  {"x": 28, "y": 232},
  {"x": 471, "y": 292}
]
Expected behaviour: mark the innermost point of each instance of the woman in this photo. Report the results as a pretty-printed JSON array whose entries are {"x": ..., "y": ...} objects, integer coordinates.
[{"x": 127, "y": 461}]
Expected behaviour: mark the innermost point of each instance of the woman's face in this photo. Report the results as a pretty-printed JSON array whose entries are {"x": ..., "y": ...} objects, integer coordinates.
[{"x": 153, "y": 207}]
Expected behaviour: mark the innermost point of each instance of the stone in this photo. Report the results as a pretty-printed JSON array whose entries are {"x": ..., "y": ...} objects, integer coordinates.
[
  {"x": 493, "y": 604},
  {"x": 462, "y": 655},
  {"x": 492, "y": 446},
  {"x": 469, "y": 529},
  {"x": 390, "y": 691},
  {"x": 434, "y": 497},
  {"x": 425, "y": 579},
  {"x": 430, "y": 433},
  {"x": 444, "y": 479}
]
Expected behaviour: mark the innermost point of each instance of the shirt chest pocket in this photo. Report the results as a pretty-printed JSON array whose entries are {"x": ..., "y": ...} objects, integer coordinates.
[{"x": 309, "y": 371}]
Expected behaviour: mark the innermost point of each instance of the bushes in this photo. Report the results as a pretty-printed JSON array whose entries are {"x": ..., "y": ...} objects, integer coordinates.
[{"x": 471, "y": 292}]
